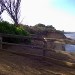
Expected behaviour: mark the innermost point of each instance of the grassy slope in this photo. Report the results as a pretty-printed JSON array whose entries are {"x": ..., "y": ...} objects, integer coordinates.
[{"x": 11, "y": 64}]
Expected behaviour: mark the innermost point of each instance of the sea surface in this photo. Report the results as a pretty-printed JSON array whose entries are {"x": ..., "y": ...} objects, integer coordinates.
[{"x": 68, "y": 47}]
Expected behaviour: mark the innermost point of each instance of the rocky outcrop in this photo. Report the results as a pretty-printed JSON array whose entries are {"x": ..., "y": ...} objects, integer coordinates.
[{"x": 52, "y": 44}]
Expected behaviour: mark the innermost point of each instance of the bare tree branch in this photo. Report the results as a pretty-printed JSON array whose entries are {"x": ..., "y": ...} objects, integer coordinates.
[
  {"x": 1, "y": 11},
  {"x": 12, "y": 7}
]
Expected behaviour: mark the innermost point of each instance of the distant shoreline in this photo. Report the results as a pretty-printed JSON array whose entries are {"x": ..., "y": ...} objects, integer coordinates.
[{"x": 69, "y": 32}]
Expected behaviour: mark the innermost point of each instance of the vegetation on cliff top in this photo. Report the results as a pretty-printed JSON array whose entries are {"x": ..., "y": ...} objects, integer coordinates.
[
  {"x": 39, "y": 28},
  {"x": 8, "y": 28}
]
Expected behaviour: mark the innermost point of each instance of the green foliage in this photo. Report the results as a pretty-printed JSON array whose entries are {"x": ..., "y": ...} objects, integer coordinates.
[
  {"x": 20, "y": 30},
  {"x": 7, "y": 28}
]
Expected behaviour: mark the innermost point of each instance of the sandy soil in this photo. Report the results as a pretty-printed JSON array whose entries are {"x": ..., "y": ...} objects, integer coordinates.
[{"x": 11, "y": 64}]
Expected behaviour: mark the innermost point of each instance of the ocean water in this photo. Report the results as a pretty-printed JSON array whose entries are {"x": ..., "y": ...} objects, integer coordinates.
[
  {"x": 70, "y": 35},
  {"x": 68, "y": 47}
]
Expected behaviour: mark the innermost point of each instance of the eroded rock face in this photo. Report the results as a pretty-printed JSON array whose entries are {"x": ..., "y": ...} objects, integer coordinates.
[
  {"x": 52, "y": 44},
  {"x": 56, "y": 46},
  {"x": 51, "y": 34}
]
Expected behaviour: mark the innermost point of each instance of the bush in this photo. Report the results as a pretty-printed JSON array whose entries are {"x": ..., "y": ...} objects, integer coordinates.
[
  {"x": 21, "y": 31},
  {"x": 7, "y": 28}
]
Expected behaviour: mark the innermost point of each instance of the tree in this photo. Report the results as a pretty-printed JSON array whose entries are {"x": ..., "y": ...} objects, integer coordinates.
[
  {"x": 50, "y": 28},
  {"x": 1, "y": 11},
  {"x": 13, "y": 9},
  {"x": 40, "y": 25}
]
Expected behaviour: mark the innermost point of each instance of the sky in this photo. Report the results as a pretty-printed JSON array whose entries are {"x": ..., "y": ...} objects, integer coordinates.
[{"x": 59, "y": 13}]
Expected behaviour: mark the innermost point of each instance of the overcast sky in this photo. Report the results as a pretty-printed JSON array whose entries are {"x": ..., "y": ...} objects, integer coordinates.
[{"x": 59, "y": 13}]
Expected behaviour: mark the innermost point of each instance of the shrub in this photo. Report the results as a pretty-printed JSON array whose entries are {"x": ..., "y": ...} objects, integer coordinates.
[
  {"x": 20, "y": 31},
  {"x": 7, "y": 28}
]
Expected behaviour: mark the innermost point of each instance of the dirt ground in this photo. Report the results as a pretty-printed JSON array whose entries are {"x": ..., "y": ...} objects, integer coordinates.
[{"x": 11, "y": 64}]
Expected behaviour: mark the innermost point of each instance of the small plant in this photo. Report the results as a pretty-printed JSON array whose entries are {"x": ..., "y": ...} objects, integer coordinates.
[{"x": 20, "y": 30}]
